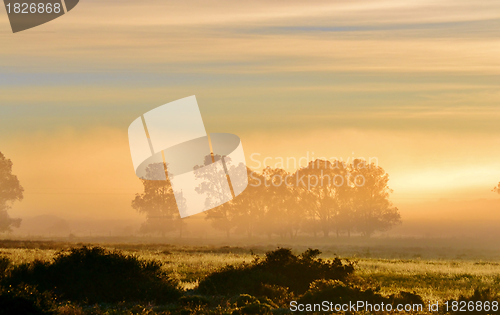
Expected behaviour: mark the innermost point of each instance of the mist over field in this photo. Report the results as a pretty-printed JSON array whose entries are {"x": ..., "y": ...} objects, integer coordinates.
[{"x": 371, "y": 139}]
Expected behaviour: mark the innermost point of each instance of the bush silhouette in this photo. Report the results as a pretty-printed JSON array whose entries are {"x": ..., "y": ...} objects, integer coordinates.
[
  {"x": 482, "y": 295},
  {"x": 339, "y": 292},
  {"x": 96, "y": 275},
  {"x": 281, "y": 268},
  {"x": 254, "y": 308},
  {"x": 194, "y": 300},
  {"x": 25, "y": 300},
  {"x": 4, "y": 266}
]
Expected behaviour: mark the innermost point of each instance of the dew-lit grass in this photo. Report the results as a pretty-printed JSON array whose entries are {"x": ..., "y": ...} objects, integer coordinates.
[{"x": 433, "y": 279}]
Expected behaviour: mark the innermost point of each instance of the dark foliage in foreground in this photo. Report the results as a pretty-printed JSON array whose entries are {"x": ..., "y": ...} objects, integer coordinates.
[
  {"x": 339, "y": 293},
  {"x": 95, "y": 275},
  {"x": 103, "y": 282},
  {"x": 25, "y": 300},
  {"x": 4, "y": 266},
  {"x": 482, "y": 295},
  {"x": 281, "y": 268}
]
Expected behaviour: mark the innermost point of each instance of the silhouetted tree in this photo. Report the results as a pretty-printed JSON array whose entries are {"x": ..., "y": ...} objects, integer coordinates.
[
  {"x": 249, "y": 206},
  {"x": 373, "y": 210},
  {"x": 158, "y": 203},
  {"x": 319, "y": 178},
  {"x": 10, "y": 191},
  {"x": 221, "y": 218},
  {"x": 322, "y": 197},
  {"x": 284, "y": 214},
  {"x": 345, "y": 197},
  {"x": 241, "y": 214},
  {"x": 497, "y": 189},
  {"x": 213, "y": 186},
  {"x": 345, "y": 219}
]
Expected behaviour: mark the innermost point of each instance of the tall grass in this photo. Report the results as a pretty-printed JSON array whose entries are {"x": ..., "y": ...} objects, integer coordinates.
[{"x": 432, "y": 279}]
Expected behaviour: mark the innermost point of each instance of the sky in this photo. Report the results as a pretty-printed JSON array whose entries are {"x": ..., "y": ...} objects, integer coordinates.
[{"x": 414, "y": 84}]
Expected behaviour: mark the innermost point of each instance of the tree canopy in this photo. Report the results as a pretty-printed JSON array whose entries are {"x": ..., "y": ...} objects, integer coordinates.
[
  {"x": 321, "y": 198},
  {"x": 10, "y": 191},
  {"x": 158, "y": 202}
]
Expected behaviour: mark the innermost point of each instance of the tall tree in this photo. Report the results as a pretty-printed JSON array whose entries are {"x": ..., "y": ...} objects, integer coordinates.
[
  {"x": 10, "y": 191},
  {"x": 497, "y": 189},
  {"x": 158, "y": 203},
  {"x": 345, "y": 216},
  {"x": 249, "y": 207},
  {"x": 320, "y": 178},
  {"x": 284, "y": 214},
  {"x": 373, "y": 209},
  {"x": 213, "y": 185}
]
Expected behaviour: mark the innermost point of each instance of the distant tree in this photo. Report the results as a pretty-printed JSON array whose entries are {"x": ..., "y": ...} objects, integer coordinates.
[
  {"x": 497, "y": 189},
  {"x": 320, "y": 179},
  {"x": 10, "y": 191},
  {"x": 248, "y": 208},
  {"x": 373, "y": 209},
  {"x": 266, "y": 206},
  {"x": 212, "y": 185},
  {"x": 345, "y": 197},
  {"x": 159, "y": 204},
  {"x": 241, "y": 213},
  {"x": 214, "y": 181},
  {"x": 345, "y": 216},
  {"x": 284, "y": 214},
  {"x": 222, "y": 218}
]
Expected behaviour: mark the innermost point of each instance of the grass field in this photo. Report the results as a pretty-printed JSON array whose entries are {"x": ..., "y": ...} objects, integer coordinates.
[{"x": 433, "y": 279}]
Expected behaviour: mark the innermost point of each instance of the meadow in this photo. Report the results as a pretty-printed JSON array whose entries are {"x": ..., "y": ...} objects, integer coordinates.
[{"x": 387, "y": 270}]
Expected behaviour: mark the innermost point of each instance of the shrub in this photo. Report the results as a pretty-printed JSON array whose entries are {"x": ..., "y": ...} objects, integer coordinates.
[
  {"x": 406, "y": 298},
  {"x": 247, "y": 304},
  {"x": 482, "y": 295},
  {"x": 268, "y": 301},
  {"x": 340, "y": 293},
  {"x": 280, "y": 267},
  {"x": 255, "y": 308},
  {"x": 25, "y": 300},
  {"x": 97, "y": 275},
  {"x": 194, "y": 300},
  {"x": 278, "y": 294},
  {"x": 4, "y": 266}
]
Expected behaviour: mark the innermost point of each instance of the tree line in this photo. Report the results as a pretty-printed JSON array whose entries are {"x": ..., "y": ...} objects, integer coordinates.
[{"x": 320, "y": 199}]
